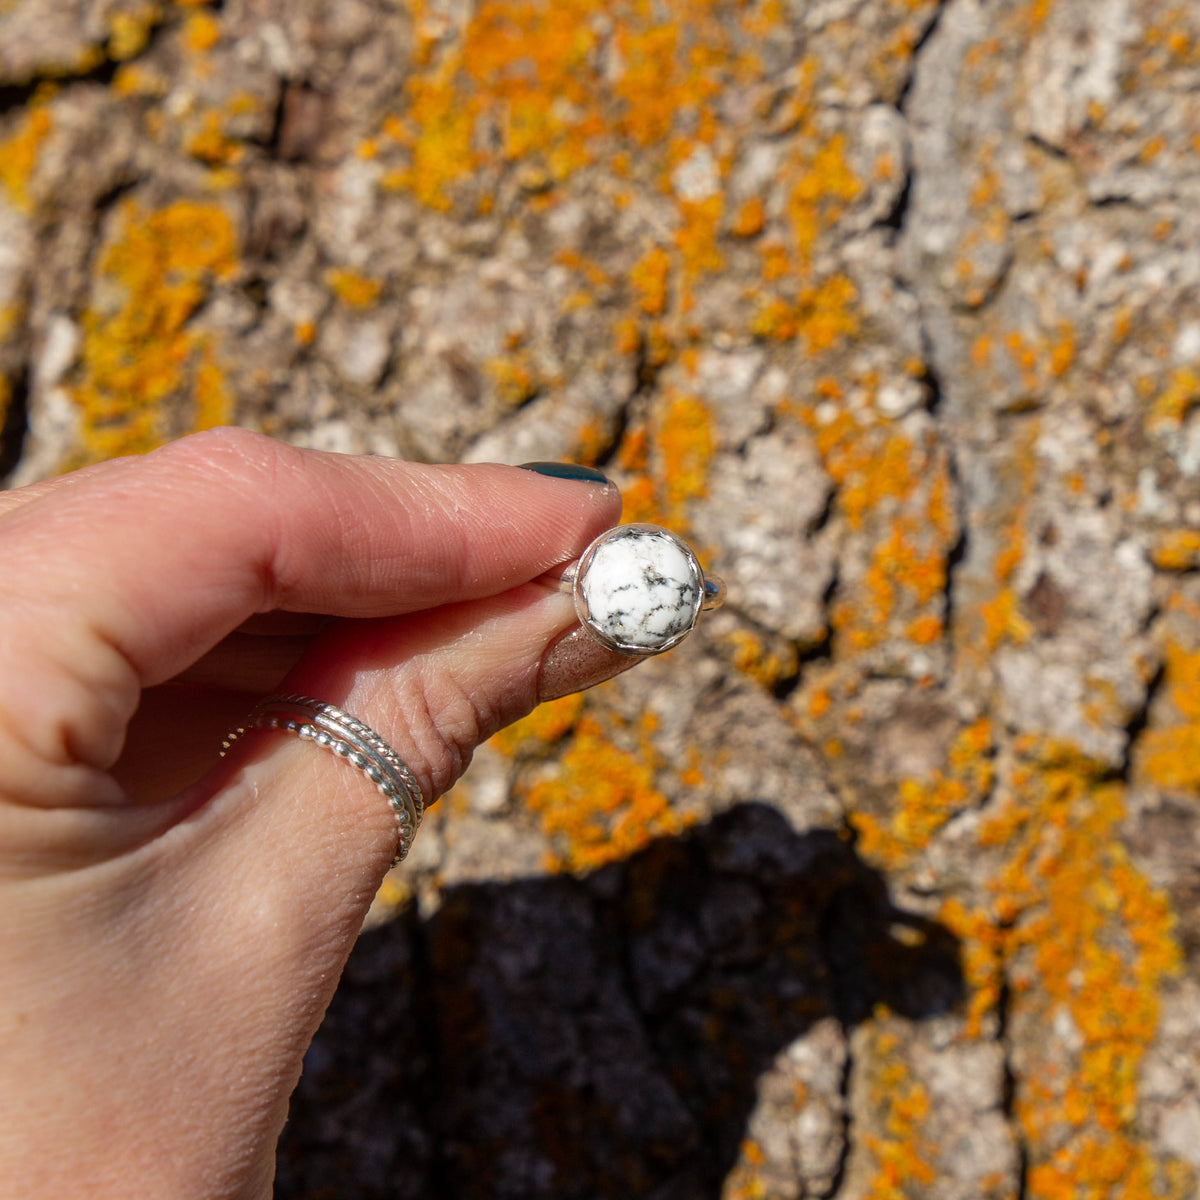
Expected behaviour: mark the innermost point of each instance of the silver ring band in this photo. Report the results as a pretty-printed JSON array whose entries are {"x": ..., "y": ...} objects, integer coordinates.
[{"x": 348, "y": 738}]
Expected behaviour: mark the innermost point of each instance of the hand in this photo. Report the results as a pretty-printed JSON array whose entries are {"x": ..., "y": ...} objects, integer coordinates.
[{"x": 172, "y": 926}]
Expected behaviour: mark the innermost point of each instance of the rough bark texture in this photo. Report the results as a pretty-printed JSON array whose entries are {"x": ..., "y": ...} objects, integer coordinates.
[{"x": 883, "y": 885}]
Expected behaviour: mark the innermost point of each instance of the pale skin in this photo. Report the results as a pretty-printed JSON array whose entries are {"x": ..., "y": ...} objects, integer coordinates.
[{"x": 172, "y": 926}]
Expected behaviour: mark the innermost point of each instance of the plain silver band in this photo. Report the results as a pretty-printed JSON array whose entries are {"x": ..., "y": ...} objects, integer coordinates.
[{"x": 348, "y": 738}]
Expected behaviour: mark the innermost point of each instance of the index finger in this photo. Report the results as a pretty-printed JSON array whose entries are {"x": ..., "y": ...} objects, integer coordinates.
[{"x": 127, "y": 576}]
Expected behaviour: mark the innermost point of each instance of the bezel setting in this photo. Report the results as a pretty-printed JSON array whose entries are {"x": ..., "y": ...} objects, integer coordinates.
[{"x": 692, "y": 592}]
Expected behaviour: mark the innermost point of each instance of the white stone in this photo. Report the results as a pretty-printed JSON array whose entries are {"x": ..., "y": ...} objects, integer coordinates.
[{"x": 639, "y": 588}]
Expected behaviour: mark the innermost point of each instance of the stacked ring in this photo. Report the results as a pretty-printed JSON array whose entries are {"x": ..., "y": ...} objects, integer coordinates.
[{"x": 348, "y": 738}]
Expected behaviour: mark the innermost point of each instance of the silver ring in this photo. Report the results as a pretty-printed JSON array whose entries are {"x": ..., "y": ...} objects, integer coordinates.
[
  {"x": 348, "y": 738},
  {"x": 639, "y": 589}
]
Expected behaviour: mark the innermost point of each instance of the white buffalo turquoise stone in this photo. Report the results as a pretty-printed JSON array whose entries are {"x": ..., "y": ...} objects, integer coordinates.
[{"x": 640, "y": 588}]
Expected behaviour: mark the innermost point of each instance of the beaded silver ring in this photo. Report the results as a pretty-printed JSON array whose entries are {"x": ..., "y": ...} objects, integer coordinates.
[
  {"x": 347, "y": 737},
  {"x": 639, "y": 589}
]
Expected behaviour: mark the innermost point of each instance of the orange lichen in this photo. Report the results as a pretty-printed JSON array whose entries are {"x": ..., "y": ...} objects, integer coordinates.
[
  {"x": 826, "y": 314},
  {"x": 1180, "y": 395},
  {"x": 438, "y": 157},
  {"x": 1176, "y": 550},
  {"x": 395, "y": 893},
  {"x": 926, "y": 630},
  {"x": 776, "y": 263},
  {"x": 543, "y": 728},
  {"x": 984, "y": 948},
  {"x": 592, "y": 271},
  {"x": 1152, "y": 148},
  {"x": 1073, "y": 928},
  {"x": 996, "y": 615},
  {"x": 820, "y": 188},
  {"x": 11, "y": 316},
  {"x": 600, "y": 803},
  {"x": 19, "y": 154},
  {"x": 1169, "y": 755},
  {"x": 201, "y": 31},
  {"x": 869, "y": 468},
  {"x": 1034, "y": 16},
  {"x": 685, "y": 446},
  {"x": 878, "y": 471},
  {"x": 820, "y": 701},
  {"x": 774, "y": 320},
  {"x": 696, "y": 241},
  {"x": 577, "y": 300},
  {"x": 1033, "y": 362},
  {"x": 516, "y": 379},
  {"x": 923, "y": 806},
  {"x": 987, "y": 186},
  {"x": 129, "y": 31},
  {"x": 211, "y": 144},
  {"x": 749, "y": 220},
  {"x": 351, "y": 288},
  {"x": 541, "y": 91},
  {"x": 823, "y": 315},
  {"x": 820, "y": 195},
  {"x": 592, "y": 441},
  {"x": 745, "y": 1178},
  {"x": 533, "y": 72},
  {"x": 903, "y": 1154},
  {"x": 896, "y": 563},
  {"x": 669, "y": 455},
  {"x": 139, "y": 355},
  {"x": 1062, "y": 351},
  {"x": 242, "y": 104},
  {"x": 1024, "y": 355},
  {"x": 649, "y": 278},
  {"x": 214, "y": 404},
  {"x": 766, "y": 666},
  {"x": 1003, "y": 620},
  {"x": 135, "y": 79},
  {"x": 899, "y": 573}
]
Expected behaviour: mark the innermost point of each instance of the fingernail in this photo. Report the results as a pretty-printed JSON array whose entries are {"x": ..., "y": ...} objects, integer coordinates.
[
  {"x": 577, "y": 662},
  {"x": 556, "y": 470}
]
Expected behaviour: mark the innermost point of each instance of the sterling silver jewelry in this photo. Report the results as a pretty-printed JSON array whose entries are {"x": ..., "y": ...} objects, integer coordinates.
[
  {"x": 639, "y": 589},
  {"x": 348, "y": 738}
]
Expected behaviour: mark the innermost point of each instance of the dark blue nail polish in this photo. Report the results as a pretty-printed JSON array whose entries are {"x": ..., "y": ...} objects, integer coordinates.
[{"x": 555, "y": 470}]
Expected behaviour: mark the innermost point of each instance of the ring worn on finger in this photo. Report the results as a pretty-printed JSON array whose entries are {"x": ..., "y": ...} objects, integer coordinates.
[{"x": 349, "y": 738}]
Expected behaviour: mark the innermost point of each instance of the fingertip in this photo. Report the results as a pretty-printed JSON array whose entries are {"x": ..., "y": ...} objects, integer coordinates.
[
  {"x": 572, "y": 482},
  {"x": 570, "y": 471}
]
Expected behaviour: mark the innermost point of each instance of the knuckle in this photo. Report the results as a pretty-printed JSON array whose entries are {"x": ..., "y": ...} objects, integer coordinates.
[
  {"x": 227, "y": 450},
  {"x": 445, "y": 728}
]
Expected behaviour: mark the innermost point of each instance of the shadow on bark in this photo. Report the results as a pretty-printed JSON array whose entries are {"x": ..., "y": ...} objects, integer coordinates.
[{"x": 578, "y": 1039}]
